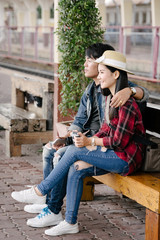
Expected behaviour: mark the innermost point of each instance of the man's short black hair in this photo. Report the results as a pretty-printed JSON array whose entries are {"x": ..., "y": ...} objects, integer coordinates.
[{"x": 96, "y": 50}]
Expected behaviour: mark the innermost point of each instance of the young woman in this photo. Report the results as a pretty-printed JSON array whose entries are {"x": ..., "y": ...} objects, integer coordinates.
[{"x": 112, "y": 149}]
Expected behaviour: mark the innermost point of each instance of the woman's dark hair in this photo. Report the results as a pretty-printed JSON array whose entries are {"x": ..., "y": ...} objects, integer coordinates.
[
  {"x": 122, "y": 82},
  {"x": 96, "y": 50}
]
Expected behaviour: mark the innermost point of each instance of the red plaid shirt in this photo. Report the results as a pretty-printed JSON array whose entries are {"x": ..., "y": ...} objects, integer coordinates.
[{"x": 120, "y": 138}]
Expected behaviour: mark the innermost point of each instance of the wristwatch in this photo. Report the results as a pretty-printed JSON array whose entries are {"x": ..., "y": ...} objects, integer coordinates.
[{"x": 133, "y": 90}]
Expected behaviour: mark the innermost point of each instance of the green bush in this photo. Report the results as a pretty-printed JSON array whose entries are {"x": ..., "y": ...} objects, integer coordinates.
[{"x": 79, "y": 27}]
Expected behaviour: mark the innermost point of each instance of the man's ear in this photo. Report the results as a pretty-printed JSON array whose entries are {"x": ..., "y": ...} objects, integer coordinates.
[{"x": 116, "y": 74}]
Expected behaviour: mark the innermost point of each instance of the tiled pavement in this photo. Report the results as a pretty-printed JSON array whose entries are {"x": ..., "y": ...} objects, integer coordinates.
[{"x": 107, "y": 217}]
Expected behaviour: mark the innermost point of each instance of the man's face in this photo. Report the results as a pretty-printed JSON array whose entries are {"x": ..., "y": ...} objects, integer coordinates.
[{"x": 90, "y": 68}]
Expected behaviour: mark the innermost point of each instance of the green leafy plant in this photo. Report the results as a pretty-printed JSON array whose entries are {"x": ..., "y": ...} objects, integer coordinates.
[{"x": 79, "y": 27}]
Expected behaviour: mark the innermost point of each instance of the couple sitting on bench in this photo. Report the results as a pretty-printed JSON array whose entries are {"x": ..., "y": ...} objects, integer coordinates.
[{"x": 111, "y": 149}]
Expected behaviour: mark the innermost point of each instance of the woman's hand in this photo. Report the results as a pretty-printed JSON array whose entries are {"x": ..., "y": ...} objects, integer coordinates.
[{"x": 82, "y": 140}]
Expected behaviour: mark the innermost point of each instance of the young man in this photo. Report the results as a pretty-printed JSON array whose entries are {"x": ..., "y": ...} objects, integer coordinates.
[{"x": 88, "y": 118}]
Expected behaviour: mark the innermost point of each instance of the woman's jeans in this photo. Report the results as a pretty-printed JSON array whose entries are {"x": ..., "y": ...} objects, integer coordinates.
[{"x": 99, "y": 157}]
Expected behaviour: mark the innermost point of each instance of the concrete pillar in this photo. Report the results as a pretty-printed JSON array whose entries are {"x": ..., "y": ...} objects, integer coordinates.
[
  {"x": 21, "y": 17},
  {"x": 2, "y": 18},
  {"x": 148, "y": 18},
  {"x": 56, "y": 65},
  {"x": 100, "y": 4},
  {"x": 31, "y": 6},
  {"x": 32, "y": 12},
  {"x": 126, "y": 20},
  {"x": 46, "y": 5},
  {"x": 21, "y": 13},
  {"x": 155, "y": 6},
  {"x": 126, "y": 12},
  {"x": 57, "y": 55},
  {"x": 57, "y": 84},
  {"x": 3, "y": 23}
]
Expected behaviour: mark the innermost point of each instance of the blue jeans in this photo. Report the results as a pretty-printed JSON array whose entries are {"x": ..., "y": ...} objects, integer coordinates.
[
  {"x": 106, "y": 160},
  {"x": 55, "y": 197}
]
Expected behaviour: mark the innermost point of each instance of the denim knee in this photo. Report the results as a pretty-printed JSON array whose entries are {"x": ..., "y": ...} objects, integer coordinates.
[
  {"x": 61, "y": 151},
  {"x": 48, "y": 153},
  {"x": 47, "y": 156},
  {"x": 58, "y": 154},
  {"x": 75, "y": 172}
]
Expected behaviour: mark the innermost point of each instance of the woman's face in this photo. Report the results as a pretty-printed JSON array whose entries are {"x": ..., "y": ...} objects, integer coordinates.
[{"x": 106, "y": 78}]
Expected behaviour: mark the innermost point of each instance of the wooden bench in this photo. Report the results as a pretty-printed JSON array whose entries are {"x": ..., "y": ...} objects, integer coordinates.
[
  {"x": 142, "y": 187},
  {"x": 24, "y": 122}
]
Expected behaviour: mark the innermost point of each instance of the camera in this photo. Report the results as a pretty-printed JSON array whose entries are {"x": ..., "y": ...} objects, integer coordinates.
[{"x": 74, "y": 134}]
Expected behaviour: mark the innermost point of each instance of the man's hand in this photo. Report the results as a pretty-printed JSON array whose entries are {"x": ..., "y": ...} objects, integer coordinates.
[
  {"x": 58, "y": 143},
  {"x": 65, "y": 136},
  {"x": 120, "y": 98}
]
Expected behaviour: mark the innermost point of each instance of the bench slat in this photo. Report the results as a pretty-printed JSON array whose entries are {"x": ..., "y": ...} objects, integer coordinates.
[
  {"x": 32, "y": 137},
  {"x": 142, "y": 187},
  {"x": 19, "y": 120},
  {"x": 12, "y": 112}
]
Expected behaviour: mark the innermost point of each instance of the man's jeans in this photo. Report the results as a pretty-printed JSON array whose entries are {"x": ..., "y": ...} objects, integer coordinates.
[
  {"x": 55, "y": 196},
  {"x": 106, "y": 160}
]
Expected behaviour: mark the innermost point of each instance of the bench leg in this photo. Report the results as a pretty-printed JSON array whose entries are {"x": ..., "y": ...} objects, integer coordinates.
[
  {"x": 11, "y": 149},
  {"x": 88, "y": 189},
  {"x": 152, "y": 231}
]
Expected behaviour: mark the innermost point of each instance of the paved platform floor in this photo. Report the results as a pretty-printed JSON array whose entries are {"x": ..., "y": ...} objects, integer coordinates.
[{"x": 109, "y": 216}]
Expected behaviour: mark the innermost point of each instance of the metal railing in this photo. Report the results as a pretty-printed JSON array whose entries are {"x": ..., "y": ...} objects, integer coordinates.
[
  {"x": 139, "y": 44},
  {"x": 141, "y": 47},
  {"x": 27, "y": 43}
]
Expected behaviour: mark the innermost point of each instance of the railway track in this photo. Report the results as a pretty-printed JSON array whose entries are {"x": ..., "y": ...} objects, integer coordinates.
[{"x": 37, "y": 72}]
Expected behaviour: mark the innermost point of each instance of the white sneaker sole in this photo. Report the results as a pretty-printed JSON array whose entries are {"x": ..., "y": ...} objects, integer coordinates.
[{"x": 50, "y": 232}]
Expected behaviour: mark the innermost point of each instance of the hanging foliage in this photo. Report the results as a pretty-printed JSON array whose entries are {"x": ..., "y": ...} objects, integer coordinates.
[{"x": 79, "y": 27}]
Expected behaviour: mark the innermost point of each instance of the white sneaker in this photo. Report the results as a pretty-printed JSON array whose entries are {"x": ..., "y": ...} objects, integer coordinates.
[
  {"x": 45, "y": 218},
  {"x": 62, "y": 228},
  {"x": 34, "y": 208},
  {"x": 28, "y": 196}
]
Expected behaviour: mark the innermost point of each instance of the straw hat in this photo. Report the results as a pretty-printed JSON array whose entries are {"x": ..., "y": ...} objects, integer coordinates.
[{"x": 113, "y": 59}]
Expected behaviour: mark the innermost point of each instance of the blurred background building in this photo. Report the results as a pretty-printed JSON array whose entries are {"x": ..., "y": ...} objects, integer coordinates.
[
  {"x": 41, "y": 13},
  {"x": 27, "y": 38},
  {"x": 132, "y": 27}
]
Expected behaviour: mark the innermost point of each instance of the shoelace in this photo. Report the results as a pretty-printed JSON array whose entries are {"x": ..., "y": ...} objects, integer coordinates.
[{"x": 44, "y": 212}]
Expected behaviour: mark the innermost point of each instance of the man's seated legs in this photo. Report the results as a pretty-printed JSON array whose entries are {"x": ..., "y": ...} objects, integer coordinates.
[
  {"x": 51, "y": 214},
  {"x": 47, "y": 158},
  {"x": 49, "y": 162}
]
